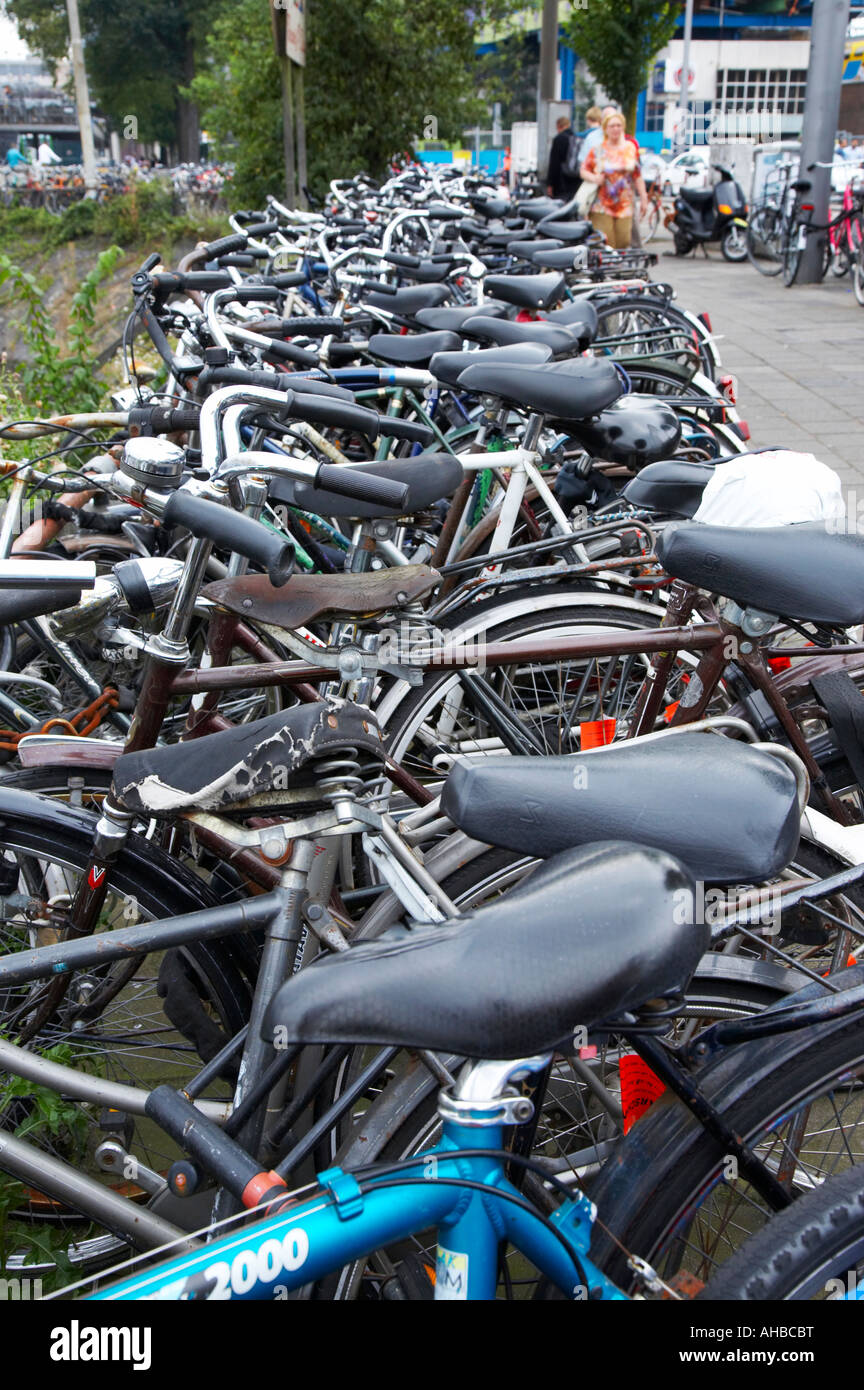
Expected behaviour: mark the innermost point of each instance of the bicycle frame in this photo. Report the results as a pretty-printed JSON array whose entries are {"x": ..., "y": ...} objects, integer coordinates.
[{"x": 456, "y": 1186}]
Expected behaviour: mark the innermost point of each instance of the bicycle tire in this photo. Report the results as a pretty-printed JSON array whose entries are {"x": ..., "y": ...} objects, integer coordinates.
[
  {"x": 792, "y": 257},
  {"x": 858, "y": 276},
  {"x": 668, "y": 1180},
  {"x": 803, "y": 1251},
  {"x": 763, "y": 236}
]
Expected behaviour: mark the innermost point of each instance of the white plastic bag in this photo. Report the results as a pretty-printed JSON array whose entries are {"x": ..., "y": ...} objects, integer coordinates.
[{"x": 774, "y": 488}]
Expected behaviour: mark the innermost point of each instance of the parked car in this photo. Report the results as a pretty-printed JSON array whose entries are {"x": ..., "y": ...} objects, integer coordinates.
[{"x": 693, "y": 167}]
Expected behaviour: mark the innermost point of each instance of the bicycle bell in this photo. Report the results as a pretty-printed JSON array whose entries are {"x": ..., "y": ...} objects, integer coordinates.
[{"x": 153, "y": 462}]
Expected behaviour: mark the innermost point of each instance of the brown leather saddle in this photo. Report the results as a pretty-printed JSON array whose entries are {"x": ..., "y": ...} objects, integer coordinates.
[{"x": 307, "y": 597}]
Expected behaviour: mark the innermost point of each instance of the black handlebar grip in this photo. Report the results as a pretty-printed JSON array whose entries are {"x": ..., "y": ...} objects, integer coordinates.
[
  {"x": 257, "y": 215},
  {"x": 247, "y": 294},
  {"x": 240, "y": 376},
  {"x": 287, "y": 352},
  {"x": 262, "y": 228},
  {"x": 313, "y": 386},
  {"x": 406, "y": 429},
  {"x": 224, "y": 244},
  {"x": 397, "y": 258},
  {"x": 243, "y": 260},
  {"x": 207, "y": 280},
  {"x": 286, "y": 279},
  {"x": 362, "y": 487},
  {"x": 314, "y": 327},
  {"x": 153, "y": 259},
  {"x": 229, "y": 530},
  {"x": 163, "y": 419},
  {"x": 324, "y": 410},
  {"x": 378, "y": 286}
]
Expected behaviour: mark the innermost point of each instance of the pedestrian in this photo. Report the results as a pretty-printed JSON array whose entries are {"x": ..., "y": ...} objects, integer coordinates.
[
  {"x": 563, "y": 176},
  {"x": 14, "y": 157},
  {"x": 47, "y": 154},
  {"x": 613, "y": 166}
]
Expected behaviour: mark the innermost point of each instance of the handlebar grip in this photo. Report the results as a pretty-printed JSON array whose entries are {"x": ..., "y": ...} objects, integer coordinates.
[
  {"x": 224, "y": 244},
  {"x": 229, "y": 530},
  {"x": 397, "y": 258},
  {"x": 406, "y": 429},
  {"x": 286, "y": 279},
  {"x": 378, "y": 287},
  {"x": 287, "y": 352},
  {"x": 362, "y": 487},
  {"x": 256, "y": 215},
  {"x": 164, "y": 419},
  {"x": 247, "y": 294},
  {"x": 262, "y": 228},
  {"x": 240, "y": 376},
  {"x": 206, "y": 280},
  {"x": 243, "y": 260},
  {"x": 314, "y": 327},
  {"x": 324, "y": 410},
  {"x": 148, "y": 265}
]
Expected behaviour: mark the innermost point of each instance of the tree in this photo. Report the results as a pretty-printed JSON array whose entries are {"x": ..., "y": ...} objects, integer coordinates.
[
  {"x": 377, "y": 70},
  {"x": 619, "y": 40},
  {"x": 140, "y": 58}
]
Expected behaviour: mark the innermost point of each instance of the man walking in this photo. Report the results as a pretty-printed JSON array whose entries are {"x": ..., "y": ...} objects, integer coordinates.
[{"x": 563, "y": 177}]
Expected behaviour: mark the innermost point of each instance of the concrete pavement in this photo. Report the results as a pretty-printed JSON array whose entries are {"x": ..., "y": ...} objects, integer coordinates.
[{"x": 798, "y": 353}]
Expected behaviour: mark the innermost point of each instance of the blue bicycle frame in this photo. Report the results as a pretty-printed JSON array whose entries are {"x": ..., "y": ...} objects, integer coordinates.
[{"x": 469, "y": 1199}]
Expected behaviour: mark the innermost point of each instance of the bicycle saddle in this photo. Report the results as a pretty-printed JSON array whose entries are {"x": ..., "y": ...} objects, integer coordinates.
[
  {"x": 571, "y": 233},
  {"x": 430, "y": 477},
  {"x": 527, "y": 291},
  {"x": 412, "y": 349},
  {"x": 799, "y": 571},
  {"x": 503, "y": 332},
  {"x": 569, "y": 390},
  {"x": 447, "y": 366},
  {"x": 562, "y": 259},
  {"x": 579, "y": 313},
  {"x": 727, "y": 811},
  {"x": 594, "y": 933},
  {"x": 535, "y": 209},
  {"x": 224, "y": 770},
  {"x": 406, "y": 302},
  {"x": 527, "y": 247},
  {"x": 671, "y": 486},
  {"x": 452, "y": 319},
  {"x": 307, "y": 597}
]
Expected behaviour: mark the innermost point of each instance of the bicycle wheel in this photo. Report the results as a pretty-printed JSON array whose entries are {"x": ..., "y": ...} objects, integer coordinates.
[
  {"x": 858, "y": 276},
  {"x": 675, "y": 1200},
  {"x": 765, "y": 239},
  {"x": 547, "y": 702},
  {"x": 813, "y": 1250},
  {"x": 793, "y": 251}
]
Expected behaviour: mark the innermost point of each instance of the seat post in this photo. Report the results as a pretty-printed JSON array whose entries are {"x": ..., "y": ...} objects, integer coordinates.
[{"x": 282, "y": 938}]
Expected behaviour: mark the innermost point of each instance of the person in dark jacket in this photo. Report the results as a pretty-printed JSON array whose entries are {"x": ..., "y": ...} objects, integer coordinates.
[{"x": 559, "y": 185}]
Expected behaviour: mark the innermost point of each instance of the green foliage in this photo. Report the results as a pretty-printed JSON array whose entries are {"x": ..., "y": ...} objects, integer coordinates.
[
  {"x": 619, "y": 40},
  {"x": 41, "y": 1116},
  {"x": 58, "y": 377},
  {"x": 148, "y": 212},
  {"x": 138, "y": 56},
  {"x": 376, "y": 69}
]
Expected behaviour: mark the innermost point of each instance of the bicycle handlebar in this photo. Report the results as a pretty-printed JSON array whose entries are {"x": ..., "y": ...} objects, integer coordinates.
[{"x": 229, "y": 530}]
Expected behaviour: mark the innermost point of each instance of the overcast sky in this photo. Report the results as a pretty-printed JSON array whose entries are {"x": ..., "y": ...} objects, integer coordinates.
[{"x": 10, "y": 44}]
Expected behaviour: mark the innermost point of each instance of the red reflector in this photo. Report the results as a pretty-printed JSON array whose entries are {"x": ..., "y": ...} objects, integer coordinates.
[
  {"x": 727, "y": 386},
  {"x": 706, "y": 319},
  {"x": 808, "y": 207},
  {"x": 744, "y": 428},
  {"x": 779, "y": 663},
  {"x": 595, "y": 733},
  {"x": 669, "y": 711},
  {"x": 639, "y": 1088}
]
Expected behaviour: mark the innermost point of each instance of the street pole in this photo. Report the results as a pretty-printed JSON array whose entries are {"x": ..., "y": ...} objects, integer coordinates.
[
  {"x": 300, "y": 101},
  {"x": 821, "y": 113},
  {"x": 684, "y": 103},
  {"x": 548, "y": 69},
  {"x": 82, "y": 98}
]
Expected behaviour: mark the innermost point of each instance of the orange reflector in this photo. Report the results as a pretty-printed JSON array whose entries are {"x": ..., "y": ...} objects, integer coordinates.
[
  {"x": 779, "y": 663},
  {"x": 639, "y": 1088},
  {"x": 850, "y": 961},
  {"x": 725, "y": 209},
  {"x": 595, "y": 733},
  {"x": 669, "y": 712}
]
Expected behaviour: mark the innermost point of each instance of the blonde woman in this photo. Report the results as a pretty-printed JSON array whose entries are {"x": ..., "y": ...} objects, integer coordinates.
[{"x": 613, "y": 166}]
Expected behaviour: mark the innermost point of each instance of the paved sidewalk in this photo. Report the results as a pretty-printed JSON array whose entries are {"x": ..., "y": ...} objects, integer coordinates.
[{"x": 798, "y": 353}]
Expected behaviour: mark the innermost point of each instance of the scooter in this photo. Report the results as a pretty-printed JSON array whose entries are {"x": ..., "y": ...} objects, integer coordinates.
[{"x": 712, "y": 214}]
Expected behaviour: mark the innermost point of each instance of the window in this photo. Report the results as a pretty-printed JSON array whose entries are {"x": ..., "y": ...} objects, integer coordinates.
[
  {"x": 783, "y": 90},
  {"x": 654, "y": 115}
]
